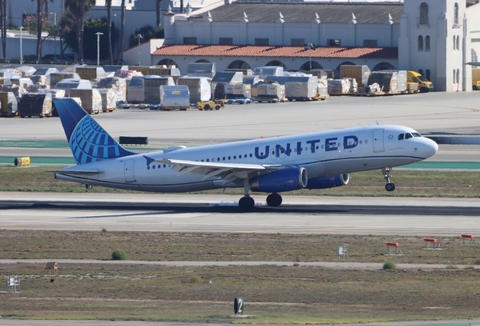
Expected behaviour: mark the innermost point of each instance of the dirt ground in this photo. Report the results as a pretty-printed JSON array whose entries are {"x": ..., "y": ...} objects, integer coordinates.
[{"x": 273, "y": 294}]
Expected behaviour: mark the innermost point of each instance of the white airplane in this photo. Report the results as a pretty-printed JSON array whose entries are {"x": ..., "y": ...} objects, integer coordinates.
[{"x": 316, "y": 160}]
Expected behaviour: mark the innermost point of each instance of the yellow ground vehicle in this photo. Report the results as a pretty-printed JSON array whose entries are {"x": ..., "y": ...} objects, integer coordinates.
[
  {"x": 476, "y": 78},
  {"x": 415, "y": 77},
  {"x": 211, "y": 105}
]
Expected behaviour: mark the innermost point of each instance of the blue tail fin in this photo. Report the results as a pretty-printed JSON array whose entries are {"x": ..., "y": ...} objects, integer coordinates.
[{"x": 88, "y": 141}]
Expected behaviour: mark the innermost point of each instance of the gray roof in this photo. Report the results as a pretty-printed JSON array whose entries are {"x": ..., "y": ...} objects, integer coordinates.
[{"x": 341, "y": 13}]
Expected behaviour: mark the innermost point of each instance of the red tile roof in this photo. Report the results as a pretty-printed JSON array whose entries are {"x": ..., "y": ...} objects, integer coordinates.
[{"x": 275, "y": 51}]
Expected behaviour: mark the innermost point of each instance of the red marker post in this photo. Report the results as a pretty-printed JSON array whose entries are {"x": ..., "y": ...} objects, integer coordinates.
[
  {"x": 432, "y": 241},
  {"x": 391, "y": 245},
  {"x": 468, "y": 236}
]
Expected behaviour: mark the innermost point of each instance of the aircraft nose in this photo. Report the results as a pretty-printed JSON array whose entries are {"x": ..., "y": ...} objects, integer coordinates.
[{"x": 431, "y": 147}]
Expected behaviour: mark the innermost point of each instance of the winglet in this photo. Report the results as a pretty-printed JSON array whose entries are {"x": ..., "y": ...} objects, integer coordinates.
[{"x": 88, "y": 141}]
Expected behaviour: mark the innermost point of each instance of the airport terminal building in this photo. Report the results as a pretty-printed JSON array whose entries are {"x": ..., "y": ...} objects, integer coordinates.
[{"x": 435, "y": 37}]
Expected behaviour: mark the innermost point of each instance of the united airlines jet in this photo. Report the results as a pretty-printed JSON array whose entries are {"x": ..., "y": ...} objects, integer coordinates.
[{"x": 316, "y": 160}]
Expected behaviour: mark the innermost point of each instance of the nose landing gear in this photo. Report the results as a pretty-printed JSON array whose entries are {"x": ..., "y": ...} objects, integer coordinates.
[{"x": 386, "y": 175}]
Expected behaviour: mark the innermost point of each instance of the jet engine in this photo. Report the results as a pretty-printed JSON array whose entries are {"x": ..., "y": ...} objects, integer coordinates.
[
  {"x": 329, "y": 181},
  {"x": 281, "y": 180}
]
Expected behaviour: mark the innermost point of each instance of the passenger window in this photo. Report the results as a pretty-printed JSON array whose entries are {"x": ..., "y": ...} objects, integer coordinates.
[{"x": 400, "y": 137}]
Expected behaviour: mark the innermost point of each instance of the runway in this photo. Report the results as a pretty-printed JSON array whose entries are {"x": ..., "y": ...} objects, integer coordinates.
[{"x": 219, "y": 213}]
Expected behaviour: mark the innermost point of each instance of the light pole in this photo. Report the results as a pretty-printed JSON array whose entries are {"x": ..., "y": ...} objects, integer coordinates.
[
  {"x": 98, "y": 47},
  {"x": 139, "y": 37},
  {"x": 21, "y": 46}
]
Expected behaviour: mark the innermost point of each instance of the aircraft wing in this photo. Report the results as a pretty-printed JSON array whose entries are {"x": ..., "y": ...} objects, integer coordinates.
[{"x": 227, "y": 171}]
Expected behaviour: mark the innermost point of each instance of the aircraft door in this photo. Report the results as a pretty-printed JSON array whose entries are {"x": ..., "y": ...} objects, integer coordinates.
[
  {"x": 129, "y": 170},
  {"x": 378, "y": 145}
]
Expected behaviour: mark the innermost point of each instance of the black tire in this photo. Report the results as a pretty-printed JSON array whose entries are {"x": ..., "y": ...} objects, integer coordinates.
[
  {"x": 246, "y": 203},
  {"x": 274, "y": 200},
  {"x": 390, "y": 187},
  {"x": 206, "y": 107},
  {"x": 217, "y": 107}
]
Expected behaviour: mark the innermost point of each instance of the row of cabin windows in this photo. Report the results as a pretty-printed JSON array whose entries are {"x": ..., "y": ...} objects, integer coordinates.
[{"x": 224, "y": 158}]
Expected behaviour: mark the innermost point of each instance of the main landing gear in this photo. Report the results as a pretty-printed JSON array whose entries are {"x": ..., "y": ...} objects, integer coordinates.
[
  {"x": 386, "y": 174},
  {"x": 247, "y": 202}
]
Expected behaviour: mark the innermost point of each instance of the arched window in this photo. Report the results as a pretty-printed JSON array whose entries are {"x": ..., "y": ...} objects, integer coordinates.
[
  {"x": 474, "y": 55},
  {"x": 427, "y": 74},
  {"x": 420, "y": 43},
  {"x": 424, "y": 14},
  {"x": 458, "y": 76},
  {"x": 458, "y": 42},
  {"x": 454, "y": 76},
  {"x": 420, "y": 71},
  {"x": 455, "y": 14},
  {"x": 454, "y": 42},
  {"x": 427, "y": 43}
]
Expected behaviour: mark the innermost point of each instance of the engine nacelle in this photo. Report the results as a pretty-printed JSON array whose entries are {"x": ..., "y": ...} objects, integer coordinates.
[
  {"x": 281, "y": 180},
  {"x": 329, "y": 181}
]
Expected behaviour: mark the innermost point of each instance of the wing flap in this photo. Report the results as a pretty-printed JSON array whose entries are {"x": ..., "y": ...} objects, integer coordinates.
[
  {"x": 227, "y": 171},
  {"x": 77, "y": 172}
]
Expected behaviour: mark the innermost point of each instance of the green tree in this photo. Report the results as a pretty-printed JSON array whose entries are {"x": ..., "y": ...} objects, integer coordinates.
[
  {"x": 108, "y": 4},
  {"x": 78, "y": 9},
  {"x": 158, "y": 7},
  {"x": 147, "y": 33},
  {"x": 122, "y": 29},
  {"x": 91, "y": 27},
  {"x": 3, "y": 27}
]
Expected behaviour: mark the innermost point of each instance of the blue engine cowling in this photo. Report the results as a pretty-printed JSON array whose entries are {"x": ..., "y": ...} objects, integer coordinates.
[
  {"x": 281, "y": 180},
  {"x": 329, "y": 181}
]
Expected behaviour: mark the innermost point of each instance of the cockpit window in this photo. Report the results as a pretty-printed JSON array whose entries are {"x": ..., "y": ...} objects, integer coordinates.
[
  {"x": 400, "y": 137},
  {"x": 408, "y": 135},
  {"x": 416, "y": 134}
]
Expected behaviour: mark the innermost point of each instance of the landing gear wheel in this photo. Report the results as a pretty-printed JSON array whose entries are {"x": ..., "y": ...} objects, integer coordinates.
[
  {"x": 274, "y": 200},
  {"x": 246, "y": 203},
  {"x": 390, "y": 187},
  {"x": 386, "y": 175}
]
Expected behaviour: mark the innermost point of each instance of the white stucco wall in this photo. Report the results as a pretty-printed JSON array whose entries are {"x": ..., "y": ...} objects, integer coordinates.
[
  {"x": 445, "y": 60},
  {"x": 279, "y": 33}
]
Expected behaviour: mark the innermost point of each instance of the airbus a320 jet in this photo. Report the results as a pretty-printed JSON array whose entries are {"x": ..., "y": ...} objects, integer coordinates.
[{"x": 315, "y": 160}]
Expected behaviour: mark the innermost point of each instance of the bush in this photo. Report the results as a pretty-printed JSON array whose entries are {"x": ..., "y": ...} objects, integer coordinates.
[
  {"x": 389, "y": 265},
  {"x": 195, "y": 279},
  {"x": 119, "y": 255}
]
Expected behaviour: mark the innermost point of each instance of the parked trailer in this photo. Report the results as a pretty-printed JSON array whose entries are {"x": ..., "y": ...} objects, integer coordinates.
[
  {"x": 199, "y": 88},
  {"x": 152, "y": 87},
  {"x": 91, "y": 99},
  {"x": 109, "y": 99},
  {"x": 359, "y": 72},
  {"x": 302, "y": 88},
  {"x": 387, "y": 79},
  {"x": 174, "y": 97},
  {"x": 35, "y": 105},
  {"x": 136, "y": 90},
  {"x": 9, "y": 104},
  {"x": 269, "y": 92},
  {"x": 90, "y": 73},
  {"x": 238, "y": 91},
  {"x": 342, "y": 86}
]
